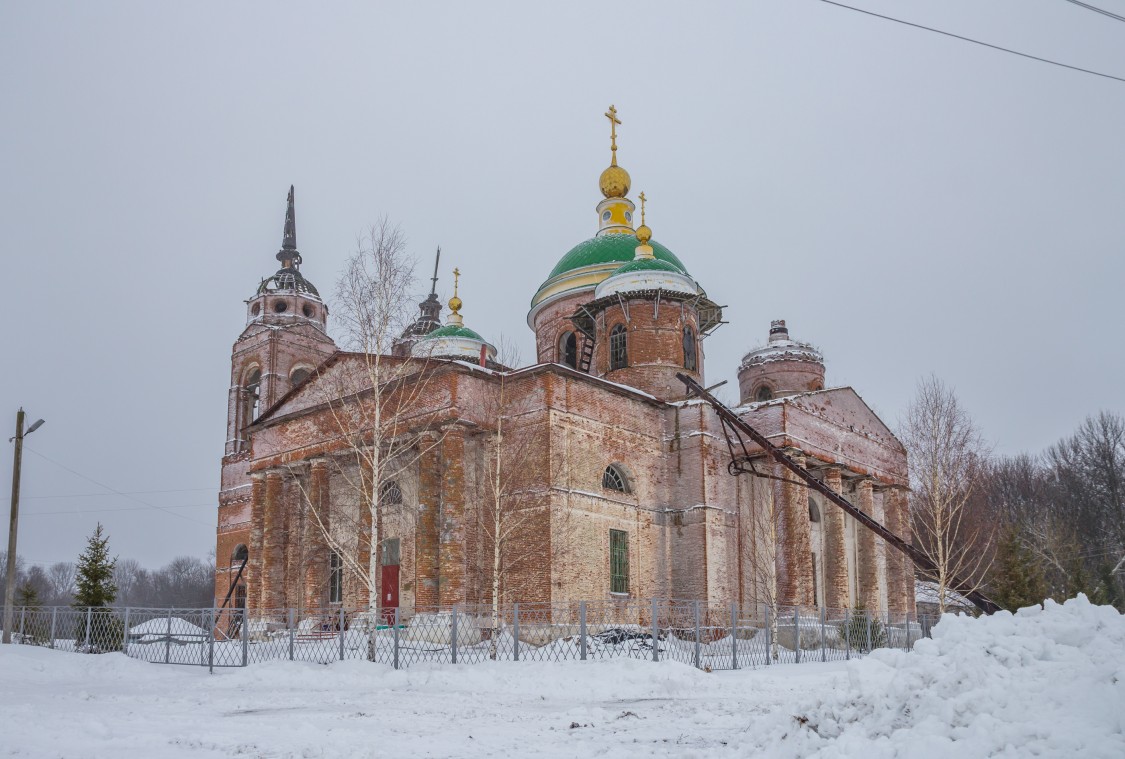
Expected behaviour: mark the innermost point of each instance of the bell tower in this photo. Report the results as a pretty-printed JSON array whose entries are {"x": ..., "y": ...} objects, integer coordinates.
[{"x": 284, "y": 340}]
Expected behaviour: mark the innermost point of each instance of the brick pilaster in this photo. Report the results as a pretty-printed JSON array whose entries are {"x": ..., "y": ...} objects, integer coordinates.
[
  {"x": 451, "y": 558},
  {"x": 836, "y": 595},
  {"x": 795, "y": 584},
  {"x": 426, "y": 533},
  {"x": 255, "y": 562},
  {"x": 867, "y": 564},
  {"x": 273, "y": 544},
  {"x": 317, "y": 521},
  {"x": 892, "y": 520}
]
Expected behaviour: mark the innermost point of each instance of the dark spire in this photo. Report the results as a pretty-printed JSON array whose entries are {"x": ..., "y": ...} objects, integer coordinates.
[
  {"x": 288, "y": 250},
  {"x": 437, "y": 260}
]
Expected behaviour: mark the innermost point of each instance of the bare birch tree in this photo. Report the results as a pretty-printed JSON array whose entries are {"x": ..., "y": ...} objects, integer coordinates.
[
  {"x": 946, "y": 458},
  {"x": 765, "y": 527},
  {"x": 376, "y": 402}
]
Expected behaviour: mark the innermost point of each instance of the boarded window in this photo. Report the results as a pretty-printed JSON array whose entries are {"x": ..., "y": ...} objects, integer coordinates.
[
  {"x": 618, "y": 561},
  {"x": 691, "y": 354},
  {"x": 335, "y": 579},
  {"x": 763, "y": 394},
  {"x": 392, "y": 553},
  {"x": 299, "y": 374},
  {"x": 618, "y": 348}
]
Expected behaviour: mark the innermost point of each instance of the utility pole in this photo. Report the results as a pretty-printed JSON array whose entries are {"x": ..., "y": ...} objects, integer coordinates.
[{"x": 10, "y": 579}]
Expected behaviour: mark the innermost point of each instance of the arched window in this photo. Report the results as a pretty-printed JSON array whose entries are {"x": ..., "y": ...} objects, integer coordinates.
[
  {"x": 568, "y": 350},
  {"x": 390, "y": 494},
  {"x": 618, "y": 348},
  {"x": 613, "y": 478},
  {"x": 335, "y": 578},
  {"x": 239, "y": 555},
  {"x": 298, "y": 375},
  {"x": 814, "y": 511},
  {"x": 764, "y": 394},
  {"x": 691, "y": 356},
  {"x": 251, "y": 398}
]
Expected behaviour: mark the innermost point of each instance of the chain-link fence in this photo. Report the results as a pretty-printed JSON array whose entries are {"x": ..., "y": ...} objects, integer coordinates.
[{"x": 705, "y": 635}]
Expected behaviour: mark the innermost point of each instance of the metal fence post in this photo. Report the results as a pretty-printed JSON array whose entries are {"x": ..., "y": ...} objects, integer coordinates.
[
  {"x": 453, "y": 633},
  {"x": 245, "y": 637},
  {"x": 89, "y": 623},
  {"x": 23, "y": 616},
  {"x": 516, "y": 632},
  {"x": 211, "y": 641},
  {"x": 697, "y": 637},
  {"x": 655, "y": 632},
  {"x": 867, "y": 620},
  {"x": 582, "y": 630},
  {"x": 54, "y": 614},
  {"x": 396, "y": 639},
  {"x": 847, "y": 634},
  {"x": 125, "y": 634},
  {"x": 907, "y": 630},
  {"x": 292, "y": 631},
  {"x": 769, "y": 635},
  {"x": 734, "y": 634},
  {"x": 342, "y": 623},
  {"x": 168, "y": 639},
  {"x": 797, "y": 634},
  {"x": 823, "y": 638}
]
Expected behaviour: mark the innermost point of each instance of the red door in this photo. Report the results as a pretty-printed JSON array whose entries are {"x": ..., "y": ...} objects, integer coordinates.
[{"x": 389, "y": 585}]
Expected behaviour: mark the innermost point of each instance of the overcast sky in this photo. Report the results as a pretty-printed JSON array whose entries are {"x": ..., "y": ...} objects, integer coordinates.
[{"x": 910, "y": 203}]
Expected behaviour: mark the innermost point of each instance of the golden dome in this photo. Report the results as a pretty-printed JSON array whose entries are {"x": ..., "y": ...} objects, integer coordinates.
[
  {"x": 455, "y": 304},
  {"x": 644, "y": 234},
  {"x": 614, "y": 182}
]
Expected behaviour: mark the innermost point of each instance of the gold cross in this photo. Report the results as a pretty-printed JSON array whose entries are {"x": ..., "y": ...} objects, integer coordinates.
[
  {"x": 642, "y": 197},
  {"x": 611, "y": 114},
  {"x": 456, "y": 277}
]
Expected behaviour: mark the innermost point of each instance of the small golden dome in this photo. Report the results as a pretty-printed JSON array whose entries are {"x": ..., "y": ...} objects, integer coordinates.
[
  {"x": 614, "y": 182},
  {"x": 455, "y": 304},
  {"x": 644, "y": 234}
]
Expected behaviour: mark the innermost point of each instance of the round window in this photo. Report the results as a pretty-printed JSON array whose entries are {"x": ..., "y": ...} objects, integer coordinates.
[
  {"x": 307, "y": 310},
  {"x": 605, "y": 216},
  {"x": 280, "y": 307},
  {"x": 255, "y": 309},
  {"x": 628, "y": 216}
]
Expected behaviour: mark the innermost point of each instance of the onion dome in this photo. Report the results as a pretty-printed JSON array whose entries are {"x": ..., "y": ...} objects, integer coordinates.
[
  {"x": 646, "y": 271},
  {"x": 289, "y": 276},
  {"x": 454, "y": 340}
]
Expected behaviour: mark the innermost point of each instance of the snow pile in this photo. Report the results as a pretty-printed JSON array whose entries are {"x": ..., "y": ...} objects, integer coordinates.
[
  {"x": 1042, "y": 682},
  {"x": 162, "y": 627}
]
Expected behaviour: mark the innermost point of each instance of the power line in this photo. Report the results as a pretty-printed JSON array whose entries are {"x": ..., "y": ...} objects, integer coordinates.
[
  {"x": 102, "y": 495},
  {"x": 1095, "y": 9},
  {"x": 127, "y": 508},
  {"x": 975, "y": 42},
  {"x": 112, "y": 490}
]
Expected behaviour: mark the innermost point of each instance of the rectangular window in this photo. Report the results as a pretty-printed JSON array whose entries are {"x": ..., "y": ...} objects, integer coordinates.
[
  {"x": 618, "y": 561},
  {"x": 335, "y": 579}
]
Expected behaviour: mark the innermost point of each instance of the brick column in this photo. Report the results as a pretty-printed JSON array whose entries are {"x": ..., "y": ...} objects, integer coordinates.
[
  {"x": 868, "y": 567},
  {"x": 426, "y": 533},
  {"x": 907, "y": 565},
  {"x": 836, "y": 595},
  {"x": 794, "y": 571},
  {"x": 255, "y": 562},
  {"x": 451, "y": 557},
  {"x": 273, "y": 544},
  {"x": 892, "y": 520},
  {"x": 317, "y": 520}
]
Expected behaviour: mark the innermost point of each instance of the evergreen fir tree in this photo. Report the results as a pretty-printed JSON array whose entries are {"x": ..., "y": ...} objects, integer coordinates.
[
  {"x": 26, "y": 596},
  {"x": 1017, "y": 579},
  {"x": 94, "y": 578}
]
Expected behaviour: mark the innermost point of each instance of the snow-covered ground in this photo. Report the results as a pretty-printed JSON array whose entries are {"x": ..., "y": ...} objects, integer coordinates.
[{"x": 1040, "y": 683}]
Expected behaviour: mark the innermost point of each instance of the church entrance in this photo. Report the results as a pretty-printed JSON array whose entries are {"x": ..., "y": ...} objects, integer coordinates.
[{"x": 389, "y": 580}]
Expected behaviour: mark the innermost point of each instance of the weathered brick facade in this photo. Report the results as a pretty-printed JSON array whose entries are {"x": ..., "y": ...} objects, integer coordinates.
[{"x": 296, "y": 492}]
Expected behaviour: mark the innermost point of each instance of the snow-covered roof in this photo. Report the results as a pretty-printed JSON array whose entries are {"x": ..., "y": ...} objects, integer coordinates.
[{"x": 926, "y": 592}]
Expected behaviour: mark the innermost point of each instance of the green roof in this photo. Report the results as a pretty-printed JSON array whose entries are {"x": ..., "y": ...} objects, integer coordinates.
[
  {"x": 455, "y": 330},
  {"x": 647, "y": 264},
  {"x": 607, "y": 249}
]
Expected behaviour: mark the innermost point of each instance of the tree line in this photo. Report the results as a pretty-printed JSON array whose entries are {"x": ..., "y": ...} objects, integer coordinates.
[
  {"x": 95, "y": 579},
  {"x": 1020, "y": 528}
]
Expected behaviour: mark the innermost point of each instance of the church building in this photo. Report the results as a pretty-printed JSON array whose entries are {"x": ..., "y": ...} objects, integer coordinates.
[{"x": 430, "y": 474}]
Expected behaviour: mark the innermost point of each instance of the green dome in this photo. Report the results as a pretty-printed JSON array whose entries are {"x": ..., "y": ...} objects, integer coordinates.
[
  {"x": 455, "y": 330},
  {"x": 607, "y": 249},
  {"x": 647, "y": 264}
]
